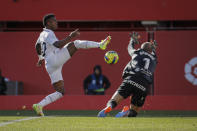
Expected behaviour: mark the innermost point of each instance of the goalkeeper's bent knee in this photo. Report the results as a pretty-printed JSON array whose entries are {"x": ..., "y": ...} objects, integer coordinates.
[{"x": 132, "y": 113}]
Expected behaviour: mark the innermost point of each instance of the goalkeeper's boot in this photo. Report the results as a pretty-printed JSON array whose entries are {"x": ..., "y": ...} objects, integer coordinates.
[
  {"x": 38, "y": 109},
  {"x": 124, "y": 112},
  {"x": 105, "y": 42},
  {"x": 104, "y": 112}
]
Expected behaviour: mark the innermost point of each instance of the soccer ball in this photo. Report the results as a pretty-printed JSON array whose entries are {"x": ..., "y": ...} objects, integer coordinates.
[{"x": 111, "y": 57}]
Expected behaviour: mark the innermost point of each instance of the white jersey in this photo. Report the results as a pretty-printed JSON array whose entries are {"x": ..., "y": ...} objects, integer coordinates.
[
  {"x": 46, "y": 39},
  {"x": 54, "y": 57}
]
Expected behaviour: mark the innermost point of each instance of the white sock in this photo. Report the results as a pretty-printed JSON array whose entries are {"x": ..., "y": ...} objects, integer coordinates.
[
  {"x": 86, "y": 44},
  {"x": 50, "y": 98}
]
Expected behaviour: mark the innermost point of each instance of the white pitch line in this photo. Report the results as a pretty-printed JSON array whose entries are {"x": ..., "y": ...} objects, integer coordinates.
[{"x": 19, "y": 120}]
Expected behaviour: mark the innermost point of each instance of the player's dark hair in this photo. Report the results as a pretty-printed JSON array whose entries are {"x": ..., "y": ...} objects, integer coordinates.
[
  {"x": 46, "y": 18},
  {"x": 97, "y": 67}
]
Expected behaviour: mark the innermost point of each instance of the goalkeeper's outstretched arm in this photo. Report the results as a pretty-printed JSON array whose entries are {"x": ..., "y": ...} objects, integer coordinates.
[
  {"x": 133, "y": 40},
  {"x": 131, "y": 48}
]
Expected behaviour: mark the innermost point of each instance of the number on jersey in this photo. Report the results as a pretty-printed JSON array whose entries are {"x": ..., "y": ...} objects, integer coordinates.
[{"x": 41, "y": 48}]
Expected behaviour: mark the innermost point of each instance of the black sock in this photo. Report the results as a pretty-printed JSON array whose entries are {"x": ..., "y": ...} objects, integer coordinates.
[
  {"x": 132, "y": 113},
  {"x": 112, "y": 103}
]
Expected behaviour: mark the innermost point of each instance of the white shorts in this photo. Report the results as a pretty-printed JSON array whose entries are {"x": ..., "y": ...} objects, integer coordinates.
[{"x": 54, "y": 63}]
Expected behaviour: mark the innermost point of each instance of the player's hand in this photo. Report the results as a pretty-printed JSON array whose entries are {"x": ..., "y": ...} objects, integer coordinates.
[
  {"x": 154, "y": 44},
  {"x": 75, "y": 33},
  {"x": 135, "y": 36},
  {"x": 39, "y": 63}
]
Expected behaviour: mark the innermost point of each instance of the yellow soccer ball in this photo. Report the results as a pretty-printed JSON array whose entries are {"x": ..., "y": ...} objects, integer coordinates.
[{"x": 111, "y": 57}]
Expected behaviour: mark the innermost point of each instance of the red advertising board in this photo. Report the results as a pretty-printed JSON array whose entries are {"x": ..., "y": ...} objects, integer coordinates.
[
  {"x": 176, "y": 49},
  {"x": 19, "y": 59}
]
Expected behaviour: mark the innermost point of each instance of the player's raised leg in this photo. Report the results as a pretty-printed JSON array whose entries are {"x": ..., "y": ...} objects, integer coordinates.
[
  {"x": 71, "y": 48},
  {"x": 91, "y": 44}
]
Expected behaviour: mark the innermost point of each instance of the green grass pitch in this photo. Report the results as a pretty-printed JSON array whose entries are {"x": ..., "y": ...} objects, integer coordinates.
[{"x": 62, "y": 123}]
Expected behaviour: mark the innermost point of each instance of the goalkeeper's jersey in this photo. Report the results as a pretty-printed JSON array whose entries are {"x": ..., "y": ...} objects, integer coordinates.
[{"x": 142, "y": 64}]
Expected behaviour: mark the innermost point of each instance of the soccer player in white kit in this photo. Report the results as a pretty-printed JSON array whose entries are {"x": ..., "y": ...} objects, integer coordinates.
[{"x": 56, "y": 53}]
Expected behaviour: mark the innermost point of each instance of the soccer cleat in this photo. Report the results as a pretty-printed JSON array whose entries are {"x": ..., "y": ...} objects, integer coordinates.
[
  {"x": 124, "y": 112},
  {"x": 38, "y": 109},
  {"x": 104, "y": 112},
  {"x": 105, "y": 42}
]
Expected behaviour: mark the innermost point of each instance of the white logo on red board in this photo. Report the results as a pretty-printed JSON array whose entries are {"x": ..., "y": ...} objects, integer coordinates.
[{"x": 191, "y": 71}]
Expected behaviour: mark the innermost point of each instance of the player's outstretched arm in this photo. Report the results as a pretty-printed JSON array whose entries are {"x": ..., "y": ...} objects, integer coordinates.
[
  {"x": 154, "y": 46},
  {"x": 62, "y": 43},
  {"x": 133, "y": 40}
]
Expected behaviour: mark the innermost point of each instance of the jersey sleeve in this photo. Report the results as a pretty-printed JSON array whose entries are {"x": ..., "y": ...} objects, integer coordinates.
[
  {"x": 131, "y": 48},
  {"x": 51, "y": 38}
]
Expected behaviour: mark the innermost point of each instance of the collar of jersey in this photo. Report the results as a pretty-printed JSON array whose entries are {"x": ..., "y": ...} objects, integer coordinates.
[{"x": 45, "y": 29}]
